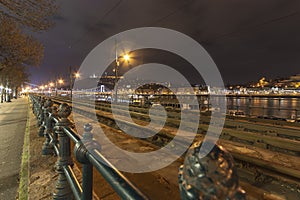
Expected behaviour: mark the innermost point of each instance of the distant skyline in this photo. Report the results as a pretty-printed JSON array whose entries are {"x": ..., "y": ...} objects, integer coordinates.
[{"x": 247, "y": 40}]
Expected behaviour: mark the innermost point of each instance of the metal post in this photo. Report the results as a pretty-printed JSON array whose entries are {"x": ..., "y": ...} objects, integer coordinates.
[
  {"x": 87, "y": 182},
  {"x": 63, "y": 190},
  {"x": 38, "y": 109},
  {"x": 116, "y": 72},
  {"x": 33, "y": 105},
  {"x": 72, "y": 76},
  {"x": 56, "y": 91},
  {"x": 116, "y": 82},
  {"x": 87, "y": 168},
  {"x": 41, "y": 121},
  {"x": 71, "y": 80},
  {"x": 37, "y": 101},
  {"x": 81, "y": 150},
  {"x": 208, "y": 103},
  {"x": 47, "y": 148},
  {"x": 54, "y": 114},
  {"x": 56, "y": 87}
]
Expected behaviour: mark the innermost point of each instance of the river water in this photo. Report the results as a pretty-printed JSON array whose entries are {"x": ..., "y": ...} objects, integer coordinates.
[{"x": 268, "y": 107}]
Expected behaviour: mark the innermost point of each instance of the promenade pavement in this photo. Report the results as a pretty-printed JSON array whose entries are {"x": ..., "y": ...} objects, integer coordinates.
[{"x": 13, "y": 118}]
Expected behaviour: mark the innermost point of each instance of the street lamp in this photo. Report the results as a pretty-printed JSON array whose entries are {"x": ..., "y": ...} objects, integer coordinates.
[
  {"x": 72, "y": 76},
  {"x": 126, "y": 57},
  {"x": 60, "y": 81},
  {"x": 77, "y": 75},
  {"x": 42, "y": 89},
  {"x": 51, "y": 85}
]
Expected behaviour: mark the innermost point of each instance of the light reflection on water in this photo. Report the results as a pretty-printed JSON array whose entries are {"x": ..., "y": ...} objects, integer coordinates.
[{"x": 271, "y": 107}]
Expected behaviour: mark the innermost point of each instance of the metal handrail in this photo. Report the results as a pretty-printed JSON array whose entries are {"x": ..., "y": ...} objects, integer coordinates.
[{"x": 55, "y": 127}]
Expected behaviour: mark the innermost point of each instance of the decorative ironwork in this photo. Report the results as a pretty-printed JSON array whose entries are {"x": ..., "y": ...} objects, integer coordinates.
[{"x": 211, "y": 177}]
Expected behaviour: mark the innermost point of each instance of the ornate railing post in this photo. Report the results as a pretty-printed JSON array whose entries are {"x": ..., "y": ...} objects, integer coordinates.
[
  {"x": 47, "y": 148},
  {"x": 38, "y": 109},
  {"x": 63, "y": 190},
  {"x": 87, "y": 168},
  {"x": 211, "y": 177},
  {"x": 54, "y": 114},
  {"x": 80, "y": 151},
  {"x": 37, "y": 101},
  {"x": 41, "y": 119},
  {"x": 34, "y": 105}
]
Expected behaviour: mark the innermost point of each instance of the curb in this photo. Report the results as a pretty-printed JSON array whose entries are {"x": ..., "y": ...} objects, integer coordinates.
[{"x": 24, "y": 171}]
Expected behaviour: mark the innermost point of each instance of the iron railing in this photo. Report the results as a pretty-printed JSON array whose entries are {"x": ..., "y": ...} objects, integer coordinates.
[{"x": 57, "y": 129}]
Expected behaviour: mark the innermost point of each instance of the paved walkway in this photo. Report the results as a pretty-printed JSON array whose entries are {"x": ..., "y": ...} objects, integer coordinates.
[{"x": 13, "y": 117}]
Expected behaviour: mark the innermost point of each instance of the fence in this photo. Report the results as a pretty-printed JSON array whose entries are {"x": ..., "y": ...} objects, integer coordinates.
[
  {"x": 55, "y": 127},
  {"x": 57, "y": 130}
]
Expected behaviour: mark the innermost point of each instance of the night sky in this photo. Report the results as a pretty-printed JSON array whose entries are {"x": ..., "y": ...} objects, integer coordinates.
[{"x": 247, "y": 39}]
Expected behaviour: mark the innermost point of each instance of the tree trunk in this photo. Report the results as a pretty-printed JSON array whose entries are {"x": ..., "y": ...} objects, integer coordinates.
[
  {"x": 16, "y": 93},
  {"x": 2, "y": 96}
]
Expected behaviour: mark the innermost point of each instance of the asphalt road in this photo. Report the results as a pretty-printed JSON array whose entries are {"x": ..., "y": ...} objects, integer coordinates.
[{"x": 13, "y": 117}]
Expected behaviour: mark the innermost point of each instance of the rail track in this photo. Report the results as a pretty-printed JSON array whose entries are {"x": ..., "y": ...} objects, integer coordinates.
[
  {"x": 272, "y": 135},
  {"x": 265, "y": 151}
]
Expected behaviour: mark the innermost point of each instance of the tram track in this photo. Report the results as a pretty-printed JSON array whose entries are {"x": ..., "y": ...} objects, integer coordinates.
[
  {"x": 267, "y": 136},
  {"x": 259, "y": 168}
]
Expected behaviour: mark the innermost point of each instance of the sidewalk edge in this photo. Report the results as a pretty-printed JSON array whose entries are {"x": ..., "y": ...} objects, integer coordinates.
[{"x": 24, "y": 170}]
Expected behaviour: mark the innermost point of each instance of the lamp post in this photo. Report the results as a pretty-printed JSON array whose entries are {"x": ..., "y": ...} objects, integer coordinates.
[
  {"x": 116, "y": 79},
  {"x": 60, "y": 81},
  {"x": 51, "y": 85},
  {"x": 125, "y": 57},
  {"x": 42, "y": 89},
  {"x": 73, "y": 76},
  {"x": 45, "y": 91}
]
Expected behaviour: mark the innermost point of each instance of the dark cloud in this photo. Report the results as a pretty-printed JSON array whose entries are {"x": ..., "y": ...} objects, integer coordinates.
[{"x": 247, "y": 39}]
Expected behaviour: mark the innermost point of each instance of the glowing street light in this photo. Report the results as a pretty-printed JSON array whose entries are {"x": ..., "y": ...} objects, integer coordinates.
[
  {"x": 77, "y": 75},
  {"x": 59, "y": 81},
  {"x": 73, "y": 76},
  {"x": 126, "y": 57},
  {"x": 42, "y": 88}
]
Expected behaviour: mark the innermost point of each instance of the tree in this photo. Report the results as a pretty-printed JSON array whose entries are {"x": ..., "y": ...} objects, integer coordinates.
[
  {"x": 33, "y": 14},
  {"x": 18, "y": 49},
  {"x": 12, "y": 78}
]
